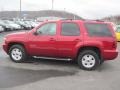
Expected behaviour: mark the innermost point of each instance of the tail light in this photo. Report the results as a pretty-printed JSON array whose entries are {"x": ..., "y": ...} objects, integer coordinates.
[{"x": 115, "y": 44}]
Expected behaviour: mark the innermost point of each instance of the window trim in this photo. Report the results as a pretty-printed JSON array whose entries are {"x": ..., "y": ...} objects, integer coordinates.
[{"x": 72, "y": 23}]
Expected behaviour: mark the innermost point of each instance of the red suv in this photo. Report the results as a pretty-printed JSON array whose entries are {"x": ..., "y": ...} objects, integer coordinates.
[{"x": 90, "y": 43}]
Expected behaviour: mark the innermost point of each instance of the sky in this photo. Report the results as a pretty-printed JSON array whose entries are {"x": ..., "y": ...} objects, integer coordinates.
[{"x": 89, "y": 9}]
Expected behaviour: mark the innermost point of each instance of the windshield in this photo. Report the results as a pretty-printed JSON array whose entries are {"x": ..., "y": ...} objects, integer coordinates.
[
  {"x": 1, "y": 22},
  {"x": 21, "y": 22},
  {"x": 9, "y": 22}
]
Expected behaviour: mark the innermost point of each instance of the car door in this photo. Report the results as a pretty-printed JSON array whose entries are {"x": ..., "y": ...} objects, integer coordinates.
[
  {"x": 69, "y": 37},
  {"x": 43, "y": 43}
]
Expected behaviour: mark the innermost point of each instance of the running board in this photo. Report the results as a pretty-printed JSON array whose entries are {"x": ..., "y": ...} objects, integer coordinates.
[{"x": 64, "y": 59}]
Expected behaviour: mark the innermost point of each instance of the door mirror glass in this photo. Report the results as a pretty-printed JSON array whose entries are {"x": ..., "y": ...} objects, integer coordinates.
[{"x": 35, "y": 33}]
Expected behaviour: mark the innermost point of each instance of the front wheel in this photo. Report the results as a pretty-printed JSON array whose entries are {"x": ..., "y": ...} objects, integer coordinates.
[
  {"x": 88, "y": 60},
  {"x": 17, "y": 53}
]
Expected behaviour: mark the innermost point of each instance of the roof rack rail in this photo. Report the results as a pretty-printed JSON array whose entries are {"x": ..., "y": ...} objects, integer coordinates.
[
  {"x": 67, "y": 19},
  {"x": 71, "y": 19},
  {"x": 95, "y": 20},
  {"x": 99, "y": 20}
]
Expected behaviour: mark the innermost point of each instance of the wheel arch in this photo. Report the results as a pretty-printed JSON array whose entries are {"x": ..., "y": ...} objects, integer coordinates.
[
  {"x": 14, "y": 43},
  {"x": 94, "y": 48}
]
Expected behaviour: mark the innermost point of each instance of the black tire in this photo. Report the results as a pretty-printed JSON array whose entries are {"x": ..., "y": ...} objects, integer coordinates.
[
  {"x": 88, "y": 52},
  {"x": 101, "y": 62},
  {"x": 22, "y": 50}
]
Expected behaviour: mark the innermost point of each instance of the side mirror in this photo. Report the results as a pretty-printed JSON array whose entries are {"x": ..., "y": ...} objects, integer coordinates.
[{"x": 35, "y": 33}]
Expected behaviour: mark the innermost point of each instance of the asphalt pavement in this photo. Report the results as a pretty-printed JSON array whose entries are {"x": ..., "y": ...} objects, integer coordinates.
[{"x": 40, "y": 74}]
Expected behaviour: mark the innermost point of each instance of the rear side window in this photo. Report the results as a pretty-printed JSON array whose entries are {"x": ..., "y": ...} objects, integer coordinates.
[
  {"x": 98, "y": 30},
  {"x": 70, "y": 29}
]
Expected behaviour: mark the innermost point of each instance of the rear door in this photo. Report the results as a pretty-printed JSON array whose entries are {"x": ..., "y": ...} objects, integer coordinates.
[{"x": 69, "y": 36}]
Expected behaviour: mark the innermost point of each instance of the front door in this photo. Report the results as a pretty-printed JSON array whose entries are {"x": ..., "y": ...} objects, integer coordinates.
[{"x": 44, "y": 43}]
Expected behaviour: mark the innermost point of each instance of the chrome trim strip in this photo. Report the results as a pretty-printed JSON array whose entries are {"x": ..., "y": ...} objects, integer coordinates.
[{"x": 65, "y": 59}]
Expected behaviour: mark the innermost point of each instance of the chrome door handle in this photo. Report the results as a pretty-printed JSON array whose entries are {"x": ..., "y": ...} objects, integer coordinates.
[
  {"x": 77, "y": 39},
  {"x": 52, "y": 39}
]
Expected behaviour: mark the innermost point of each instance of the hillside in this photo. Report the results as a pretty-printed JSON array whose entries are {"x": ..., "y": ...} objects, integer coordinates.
[
  {"x": 115, "y": 19},
  {"x": 36, "y": 14}
]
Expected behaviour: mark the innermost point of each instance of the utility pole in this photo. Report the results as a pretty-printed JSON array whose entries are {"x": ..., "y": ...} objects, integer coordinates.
[
  {"x": 1, "y": 15},
  {"x": 52, "y": 4},
  {"x": 74, "y": 17},
  {"x": 20, "y": 10},
  {"x": 52, "y": 8},
  {"x": 64, "y": 9}
]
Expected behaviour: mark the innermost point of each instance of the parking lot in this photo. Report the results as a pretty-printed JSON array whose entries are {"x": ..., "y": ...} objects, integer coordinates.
[{"x": 39, "y": 74}]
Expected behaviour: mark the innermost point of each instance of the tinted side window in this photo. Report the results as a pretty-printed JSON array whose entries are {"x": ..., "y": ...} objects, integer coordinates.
[
  {"x": 47, "y": 29},
  {"x": 70, "y": 29},
  {"x": 98, "y": 29}
]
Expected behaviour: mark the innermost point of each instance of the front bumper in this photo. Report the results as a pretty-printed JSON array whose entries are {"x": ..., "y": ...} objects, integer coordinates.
[{"x": 5, "y": 48}]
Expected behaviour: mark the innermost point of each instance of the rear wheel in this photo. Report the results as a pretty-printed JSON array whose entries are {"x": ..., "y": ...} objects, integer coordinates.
[
  {"x": 101, "y": 62},
  {"x": 17, "y": 53},
  {"x": 88, "y": 60}
]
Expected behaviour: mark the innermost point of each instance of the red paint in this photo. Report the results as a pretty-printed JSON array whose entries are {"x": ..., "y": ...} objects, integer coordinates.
[{"x": 64, "y": 46}]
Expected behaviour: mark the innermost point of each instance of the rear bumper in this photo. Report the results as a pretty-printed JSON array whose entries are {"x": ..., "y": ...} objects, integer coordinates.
[{"x": 110, "y": 54}]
